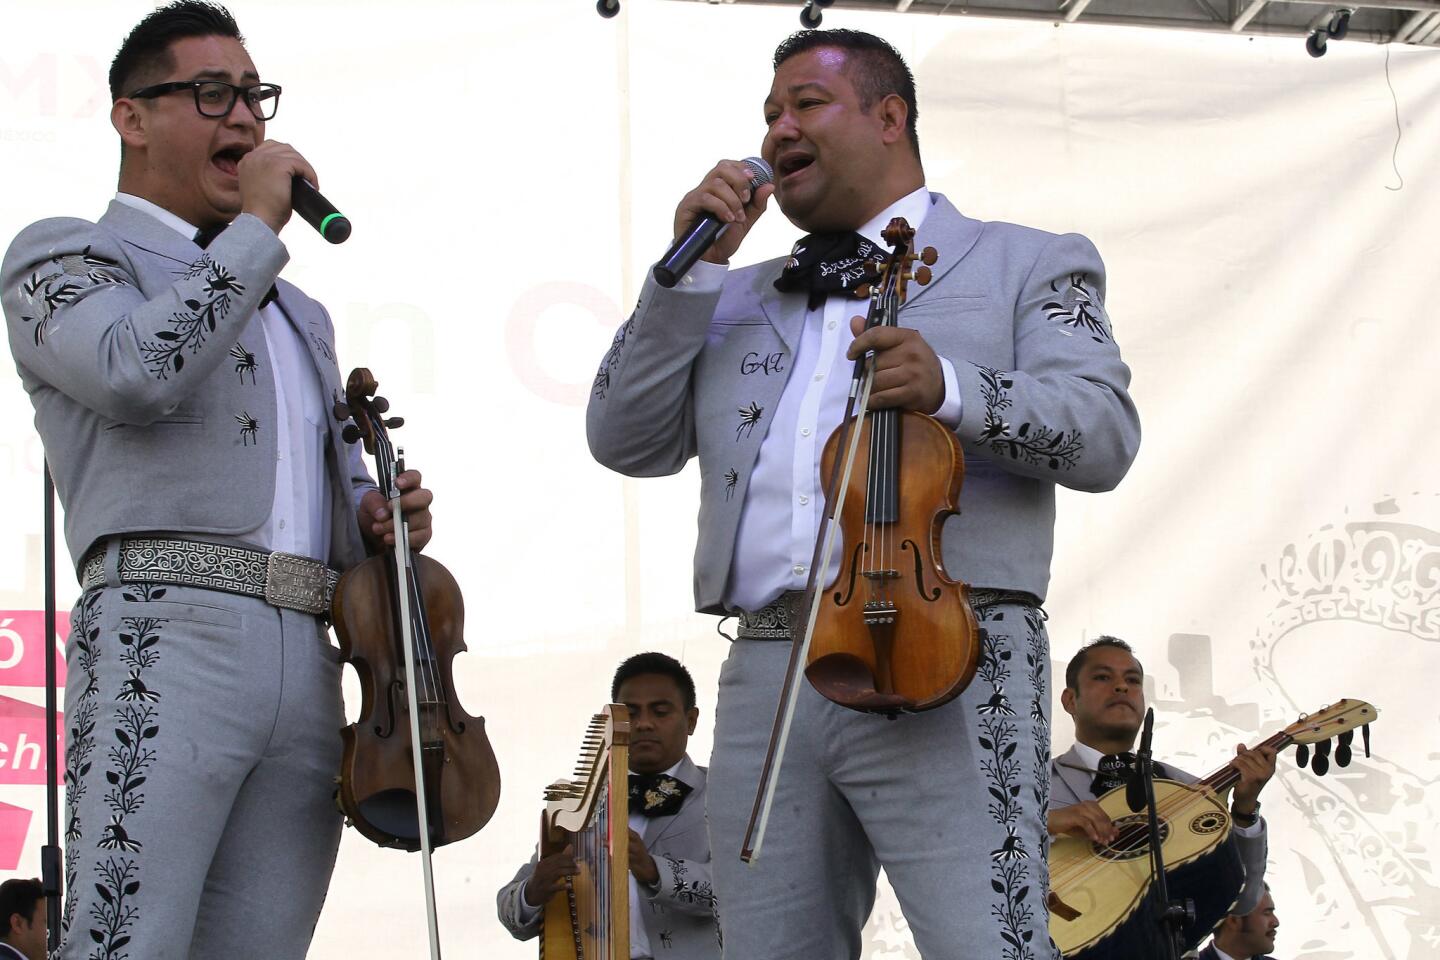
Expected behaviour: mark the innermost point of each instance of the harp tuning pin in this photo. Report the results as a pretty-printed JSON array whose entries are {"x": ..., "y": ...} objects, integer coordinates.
[
  {"x": 1302, "y": 755},
  {"x": 1342, "y": 748}
]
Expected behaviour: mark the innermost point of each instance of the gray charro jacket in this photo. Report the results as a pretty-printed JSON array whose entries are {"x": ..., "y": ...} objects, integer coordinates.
[
  {"x": 146, "y": 363},
  {"x": 1018, "y": 312}
]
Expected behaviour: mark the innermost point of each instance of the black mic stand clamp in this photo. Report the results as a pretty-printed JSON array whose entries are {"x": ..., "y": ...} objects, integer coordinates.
[{"x": 1171, "y": 915}]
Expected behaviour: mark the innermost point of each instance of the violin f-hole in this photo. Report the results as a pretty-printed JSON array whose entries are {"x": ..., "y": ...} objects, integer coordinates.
[
  {"x": 929, "y": 596},
  {"x": 860, "y": 547}
]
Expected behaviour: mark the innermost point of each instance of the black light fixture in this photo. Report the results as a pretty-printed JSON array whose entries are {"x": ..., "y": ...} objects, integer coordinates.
[
  {"x": 607, "y": 8},
  {"x": 1326, "y": 27},
  {"x": 810, "y": 16}
]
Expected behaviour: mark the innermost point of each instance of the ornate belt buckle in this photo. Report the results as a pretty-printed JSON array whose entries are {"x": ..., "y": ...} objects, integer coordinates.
[{"x": 295, "y": 583}]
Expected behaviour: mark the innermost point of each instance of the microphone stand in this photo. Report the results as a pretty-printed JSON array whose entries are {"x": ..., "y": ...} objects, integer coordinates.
[
  {"x": 50, "y": 857},
  {"x": 1171, "y": 915}
]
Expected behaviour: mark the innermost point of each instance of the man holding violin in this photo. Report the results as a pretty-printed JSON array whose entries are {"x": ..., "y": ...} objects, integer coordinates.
[
  {"x": 1009, "y": 346},
  {"x": 183, "y": 393}
]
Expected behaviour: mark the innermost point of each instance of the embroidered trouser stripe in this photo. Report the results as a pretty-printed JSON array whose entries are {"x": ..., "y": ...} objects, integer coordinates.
[
  {"x": 950, "y": 802},
  {"x": 201, "y": 749}
]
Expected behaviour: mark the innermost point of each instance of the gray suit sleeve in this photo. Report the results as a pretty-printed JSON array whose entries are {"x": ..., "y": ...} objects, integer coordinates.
[
  {"x": 685, "y": 885},
  {"x": 1253, "y": 853},
  {"x": 511, "y": 911},
  {"x": 79, "y": 322},
  {"x": 1064, "y": 413},
  {"x": 641, "y": 417}
]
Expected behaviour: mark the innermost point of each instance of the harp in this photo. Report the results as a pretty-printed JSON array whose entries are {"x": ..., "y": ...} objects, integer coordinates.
[{"x": 590, "y": 918}]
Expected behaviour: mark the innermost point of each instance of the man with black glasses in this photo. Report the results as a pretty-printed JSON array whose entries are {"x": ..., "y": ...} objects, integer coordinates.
[{"x": 183, "y": 393}]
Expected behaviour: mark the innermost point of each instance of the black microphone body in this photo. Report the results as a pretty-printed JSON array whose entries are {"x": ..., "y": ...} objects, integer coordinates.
[
  {"x": 1135, "y": 787},
  {"x": 691, "y": 245},
  {"x": 317, "y": 211}
]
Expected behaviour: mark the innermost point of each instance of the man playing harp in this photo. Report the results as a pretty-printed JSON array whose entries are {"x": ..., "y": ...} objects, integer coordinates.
[{"x": 671, "y": 906}]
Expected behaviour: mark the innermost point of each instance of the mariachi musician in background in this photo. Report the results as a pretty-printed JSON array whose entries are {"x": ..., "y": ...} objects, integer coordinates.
[
  {"x": 671, "y": 903},
  {"x": 183, "y": 392},
  {"x": 1010, "y": 348}
]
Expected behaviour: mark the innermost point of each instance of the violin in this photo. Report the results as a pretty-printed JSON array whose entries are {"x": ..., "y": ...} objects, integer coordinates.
[
  {"x": 418, "y": 771},
  {"x": 894, "y": 633}
]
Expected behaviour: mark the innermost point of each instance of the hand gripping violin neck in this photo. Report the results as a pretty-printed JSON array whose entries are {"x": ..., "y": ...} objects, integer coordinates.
[{"x": 894, "y": 633}]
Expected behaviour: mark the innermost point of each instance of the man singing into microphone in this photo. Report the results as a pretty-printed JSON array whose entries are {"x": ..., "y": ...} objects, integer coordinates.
[
  {"x": 1010, "y": 347},
  {"x": 183, "y": 393}
]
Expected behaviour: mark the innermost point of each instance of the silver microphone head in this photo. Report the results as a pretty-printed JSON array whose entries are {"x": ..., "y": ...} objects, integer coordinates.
[{"x": 761, "y": 173}]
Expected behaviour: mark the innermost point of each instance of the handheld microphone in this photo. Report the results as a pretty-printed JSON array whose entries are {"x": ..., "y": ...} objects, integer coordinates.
[
  {"x": 1135, "y": 787},
  {"x": 317, "y": 211},
  {"x": 691, "y": 245}
]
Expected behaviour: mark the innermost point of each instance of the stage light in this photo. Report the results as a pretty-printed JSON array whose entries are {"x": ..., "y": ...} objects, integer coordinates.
[
  {"x": 1330, "y": 25},
  {"x": 607, "y": 8}
]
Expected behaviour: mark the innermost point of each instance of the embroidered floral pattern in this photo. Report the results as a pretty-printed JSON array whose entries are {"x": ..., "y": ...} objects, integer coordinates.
[
  {"x": 611, "y": 360},
  {"x": 749, "y": 416},
  {"x": 1035, "y": 445},
  {"x": 113, "y": 913},
  {"x": 688, "y": 891},
  {"x": 244, "y": 362},
  {"x": 731, "y": 479},
  {"x": 249, "y": 429},
  {"x": 165, "y": 354},
  {"x": 1078, "y": 308},
  {"x": 78, "y": 272},
  {"x": 80, "y": 737}
]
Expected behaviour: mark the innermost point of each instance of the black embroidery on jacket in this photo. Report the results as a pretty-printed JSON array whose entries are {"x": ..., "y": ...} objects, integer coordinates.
[
  {"x": 1078, "y": 308},
  {"x": 1033, "y": 444},
  {"x": 113, "y": 912},
  {"x": 687, "y": 891},
  {"x": 749, "y": 416},
  {"x": 165, "y": 354},
  {"x": 611, "y": 360},
  {"x": 731, "y": 479},
  {"x": 78, "y": 272},
  {"x": 249, "y": 429},
  {"x": 245, "y": 362},
  {"x": 80, "y": 737}
]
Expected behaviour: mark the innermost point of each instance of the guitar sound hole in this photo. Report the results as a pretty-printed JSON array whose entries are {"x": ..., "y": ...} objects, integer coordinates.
[{"x": 1134, "y": 839}]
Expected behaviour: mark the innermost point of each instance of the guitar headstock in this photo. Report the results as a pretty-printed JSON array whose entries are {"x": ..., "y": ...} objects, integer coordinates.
[{"x": 1339, "y": 719}]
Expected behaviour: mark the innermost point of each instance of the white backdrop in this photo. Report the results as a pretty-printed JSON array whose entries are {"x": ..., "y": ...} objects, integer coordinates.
[{"x": 511, "y": 167}]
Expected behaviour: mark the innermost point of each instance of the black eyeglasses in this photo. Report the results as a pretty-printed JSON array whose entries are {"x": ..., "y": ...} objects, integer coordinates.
[{"x": 216, "y": 98}]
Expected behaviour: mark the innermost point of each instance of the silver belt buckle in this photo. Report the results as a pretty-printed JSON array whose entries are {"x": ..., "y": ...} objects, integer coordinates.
[{"x": 295, "y": 583}]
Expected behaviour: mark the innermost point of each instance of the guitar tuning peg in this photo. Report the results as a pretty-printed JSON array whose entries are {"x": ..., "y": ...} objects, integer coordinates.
[
  {"x": 922, "y": 276},
  {"x": 1302, "y": 755},
  {"x": 1321, "y": 763},
  {"x": 350, "y": 434},
  {"x": 1342, "y": 750},
  {"x": 394, "y": 423},
  {"x": 341, "y": 410},
  {"x": 381, "y": 404},
  {"x": 1365, "y": 736}
]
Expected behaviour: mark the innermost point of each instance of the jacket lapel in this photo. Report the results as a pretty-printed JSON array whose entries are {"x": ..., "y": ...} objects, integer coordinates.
[
  {"x": 952, "y": 234},
  {"x": 1074, "y": 773},
  {"x": 786, "y": 313},
  {"x": 684, "y": 819},
  {"x": 144, "y": 232}
]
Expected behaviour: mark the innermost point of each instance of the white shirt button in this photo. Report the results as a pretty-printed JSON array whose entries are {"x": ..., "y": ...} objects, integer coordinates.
[
  {"x": 799, "y": 568},
  {"x": 819, "y": 377},
  {"x": 830, "y": 325},
  {"x": 804, "y": 431},
  {"x": 804, "y": 499}
]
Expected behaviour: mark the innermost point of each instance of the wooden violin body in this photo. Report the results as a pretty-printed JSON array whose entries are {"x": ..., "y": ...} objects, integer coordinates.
[
  {"x": 377, "y": 783},
  {"x": 894, "y": 632}
]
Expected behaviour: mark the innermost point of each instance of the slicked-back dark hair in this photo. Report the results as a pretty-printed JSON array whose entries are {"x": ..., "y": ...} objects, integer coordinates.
[
  {"x": 1077, "y": 662},
  {"x": 145, "y": 54},
  {"x": 658, "y": 663},
  {"x": 873, "y": 66},
  {"x": 18, "y": 896}
]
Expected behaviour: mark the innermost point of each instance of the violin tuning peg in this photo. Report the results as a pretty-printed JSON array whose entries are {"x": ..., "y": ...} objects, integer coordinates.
[
  {"x": 1302, "y": 755},
  {"x": 862, "y": 292},
  {"x": 922, "y": 276},
  {"x": 394, "y": 423},
  {"x": 350, "y": 434},
  {"x": 928, "y": 256},
  {"x": 341, "y": 410},
  {"x": 1342, "y": 749},
  {"x": 381, "y": 404}
]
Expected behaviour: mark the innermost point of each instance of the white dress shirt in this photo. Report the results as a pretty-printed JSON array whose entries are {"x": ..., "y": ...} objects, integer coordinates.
[
  {"x": 1091, "y": 758},
  {"x": 784, "y": 503},
  {"x": 299, "y": 520}
]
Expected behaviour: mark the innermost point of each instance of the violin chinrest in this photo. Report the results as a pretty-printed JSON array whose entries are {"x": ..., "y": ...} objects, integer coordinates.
[{"x": 848, "y": 680}]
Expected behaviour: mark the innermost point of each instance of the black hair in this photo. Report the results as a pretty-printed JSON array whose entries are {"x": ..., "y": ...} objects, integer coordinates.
[
  {"x": 873, "y": 66},
  {"x": 1077, "y": 662},
  {"x": 145, "y": 55},
  {"x": 657, "y": 663},
  {"x": 18, "y": 896}
]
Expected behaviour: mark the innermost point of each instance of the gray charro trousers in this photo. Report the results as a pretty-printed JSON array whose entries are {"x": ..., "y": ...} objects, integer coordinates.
[
  {"x": 201, "y": 749},
  {"x": 950, "y": 802}
]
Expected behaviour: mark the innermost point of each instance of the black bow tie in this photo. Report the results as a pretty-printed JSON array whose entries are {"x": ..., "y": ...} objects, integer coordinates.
[
  {"x": 826, "y": 263},
  {"x": 206, "y": 235},
  {"x": 1113, "y": 771},
  {"x": 656, "y": 794}
]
